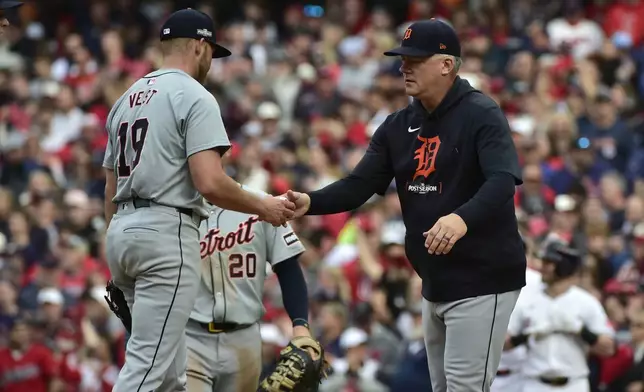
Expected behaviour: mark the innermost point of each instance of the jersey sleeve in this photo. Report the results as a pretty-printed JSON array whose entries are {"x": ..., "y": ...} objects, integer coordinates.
[
  {"x": 596, "y": 319},
  {"x": 111, "y": 148},
  {"x": 203, "y": 126},
  {"x": 376, "y": 165},
  {"x": 108, "y": 159},
  {"x": 495, "y": 147},
  {"x": 282, "y": 243}
]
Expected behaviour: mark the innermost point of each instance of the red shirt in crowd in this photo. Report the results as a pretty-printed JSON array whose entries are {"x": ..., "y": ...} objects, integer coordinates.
[
  {"x": 69, "y": 371},
  {"x": 615, "y": 366},
  {"x": 628, "y": 18},
  {"x": 74, "y": 285},
  {"x": 359, "y": 282},
  {"x": 29, "y": 371}
]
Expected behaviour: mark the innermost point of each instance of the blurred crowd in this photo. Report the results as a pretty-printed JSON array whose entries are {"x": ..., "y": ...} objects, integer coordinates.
[{"x": 301, "y": 95}]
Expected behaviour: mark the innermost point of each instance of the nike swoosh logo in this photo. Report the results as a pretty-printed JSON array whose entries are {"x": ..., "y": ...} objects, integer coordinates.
[{"x": 410, "y": 130}]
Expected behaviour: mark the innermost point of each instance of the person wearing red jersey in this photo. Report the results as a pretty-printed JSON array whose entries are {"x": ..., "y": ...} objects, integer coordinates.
[
  {"x": 25, "y": 366},
  {"x": 626, "y": 16}
]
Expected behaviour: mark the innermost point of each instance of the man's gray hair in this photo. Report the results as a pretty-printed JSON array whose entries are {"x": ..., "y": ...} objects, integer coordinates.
[
  {"x": 457, "y": 63},
  {"x": 456, "y": 60}
]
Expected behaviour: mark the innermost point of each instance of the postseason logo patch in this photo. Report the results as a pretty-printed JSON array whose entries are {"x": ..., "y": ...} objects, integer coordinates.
[
  {"x": 204, "y": 33},
  {"x": 421, "y": 188}
]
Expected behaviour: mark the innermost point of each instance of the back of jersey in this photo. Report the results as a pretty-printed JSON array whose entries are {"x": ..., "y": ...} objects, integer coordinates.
[{"x": 153, "y": 128}]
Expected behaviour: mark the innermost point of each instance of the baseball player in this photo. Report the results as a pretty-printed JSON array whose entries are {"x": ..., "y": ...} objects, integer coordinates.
[
  {"x": 5, "y": 7},
  {"x": 509, "y": 377},
  {"x": 223, "y": 335},
  {"x": 166, "y": 137},
  {"x": 559, "y": 324}
]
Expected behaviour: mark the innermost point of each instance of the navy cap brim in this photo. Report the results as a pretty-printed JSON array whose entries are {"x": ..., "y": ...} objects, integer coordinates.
[
  {"x": 219, "y": 51},
  {"x": 5, "y": 5},
  {"x": 408, "y": 51}
]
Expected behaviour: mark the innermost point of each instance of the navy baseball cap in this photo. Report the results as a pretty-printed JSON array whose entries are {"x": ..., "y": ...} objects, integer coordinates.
[
  {"x": 427, "y": 38},
  {"x": 7, "y": 4},
  {"x": 190, "y": 23}
]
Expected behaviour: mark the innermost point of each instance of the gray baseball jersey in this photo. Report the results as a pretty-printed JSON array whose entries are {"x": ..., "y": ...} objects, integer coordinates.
[
  {"x": 154, "y": 128},
  {"x": 171, "y": 115},
  {"x": 235, "y": 249}
]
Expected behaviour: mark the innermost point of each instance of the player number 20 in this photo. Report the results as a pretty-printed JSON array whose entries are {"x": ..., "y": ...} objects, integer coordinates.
[
  {"x": 136, "y": 133},
  {"x": 242, "y": 265}
]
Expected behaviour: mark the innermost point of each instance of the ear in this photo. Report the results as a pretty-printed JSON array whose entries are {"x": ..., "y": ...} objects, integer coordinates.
[
  {"x": 194, "y": 47},
  {"x": 202, "y": 45},
  {"x": 448, "y": 66}
]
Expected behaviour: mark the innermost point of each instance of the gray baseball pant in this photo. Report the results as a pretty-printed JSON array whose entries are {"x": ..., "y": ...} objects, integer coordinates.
[
  {"x": 223, "y": 362},
  {"x": 153, "y": 256},
  {"x": 464, "y": 340}
]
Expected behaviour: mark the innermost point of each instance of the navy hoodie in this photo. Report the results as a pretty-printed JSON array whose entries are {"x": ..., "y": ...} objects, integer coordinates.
[{"x": 440, "y": 160}]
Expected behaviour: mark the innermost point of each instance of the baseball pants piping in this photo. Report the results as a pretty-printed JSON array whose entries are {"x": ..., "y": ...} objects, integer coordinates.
[
  {"x": 464, "y": 340},
  {"x": 153, "y": 256}
]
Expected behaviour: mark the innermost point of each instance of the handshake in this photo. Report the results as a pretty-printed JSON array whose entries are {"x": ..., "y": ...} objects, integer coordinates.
[
  {"x": 558, "y": 321},
  {"x": 277, "y": 210}
]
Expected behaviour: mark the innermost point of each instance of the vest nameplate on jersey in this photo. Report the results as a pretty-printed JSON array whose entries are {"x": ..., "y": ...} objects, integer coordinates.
[{"x": 213, "y": 241}]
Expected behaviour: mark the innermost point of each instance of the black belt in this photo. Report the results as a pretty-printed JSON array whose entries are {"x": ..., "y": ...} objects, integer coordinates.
[
  {"x": 145, "y": 203},
  {"x": 502, "y": 373},
  {"x": 555, "y": 381},
  {"x": 223, "y": 327}
]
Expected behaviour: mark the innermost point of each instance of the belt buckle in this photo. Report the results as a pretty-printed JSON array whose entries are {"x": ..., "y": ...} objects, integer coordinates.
[
  {"x": 212, "y": 329},
  {"x": 555, "y": 381},
  {"x": 561, "y": 381}
]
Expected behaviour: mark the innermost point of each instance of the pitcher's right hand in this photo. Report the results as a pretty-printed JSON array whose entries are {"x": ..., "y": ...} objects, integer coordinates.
[{"x": 277, "y": 210}]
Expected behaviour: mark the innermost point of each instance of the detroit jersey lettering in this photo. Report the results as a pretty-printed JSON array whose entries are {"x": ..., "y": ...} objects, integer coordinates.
[{"x": 235, "y": 250}]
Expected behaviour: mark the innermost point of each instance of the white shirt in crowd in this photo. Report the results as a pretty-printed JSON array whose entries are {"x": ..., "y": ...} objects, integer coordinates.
[
  {"x": 584, "y": 37},
  {"x": 64, "y": 128},
  {"x": 554, "y": 348}
]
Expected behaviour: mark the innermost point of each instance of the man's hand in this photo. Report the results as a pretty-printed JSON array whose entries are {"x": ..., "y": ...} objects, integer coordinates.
[
  {"x": 302, "y": 202},
  {"x": 441, "y": 238},
  {"x": 277, "y": 210},
  {"x": 301, "y": 330}
]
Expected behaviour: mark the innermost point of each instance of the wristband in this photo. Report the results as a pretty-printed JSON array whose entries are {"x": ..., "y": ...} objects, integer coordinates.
[
  {"x": 298, "y": 322},
  {"x": 588, "y": 336},
  {"x": 518, "y": 340}
]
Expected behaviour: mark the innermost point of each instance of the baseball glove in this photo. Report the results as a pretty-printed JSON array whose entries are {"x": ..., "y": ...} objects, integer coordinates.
[
  {"x": 297, "y": 370},
  {"x": 117, "y": 303}
]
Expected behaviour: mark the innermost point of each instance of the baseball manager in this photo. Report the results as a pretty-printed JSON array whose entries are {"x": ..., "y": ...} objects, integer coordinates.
[{"x": 455, "y": 168}]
